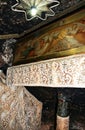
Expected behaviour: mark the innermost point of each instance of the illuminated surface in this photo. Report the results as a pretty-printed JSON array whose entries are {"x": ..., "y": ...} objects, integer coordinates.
[
  {"x": 58, "y": 72},
  {"x": 41, "y": 6},
  {"x": 33, "y": 11}
]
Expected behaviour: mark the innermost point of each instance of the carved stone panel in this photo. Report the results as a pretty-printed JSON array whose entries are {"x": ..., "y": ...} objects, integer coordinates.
[
  {"x": 19, "y": 109},
  {"x": 58, "y": 72}
]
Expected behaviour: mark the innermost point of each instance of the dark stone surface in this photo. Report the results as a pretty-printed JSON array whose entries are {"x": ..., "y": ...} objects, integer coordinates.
[
  {"x": 12, "y": 22},
  {"x": 49, "y": 97}
]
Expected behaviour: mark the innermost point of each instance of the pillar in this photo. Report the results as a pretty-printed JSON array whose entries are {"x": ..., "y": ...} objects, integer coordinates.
[{"x": 62, "y": 120}]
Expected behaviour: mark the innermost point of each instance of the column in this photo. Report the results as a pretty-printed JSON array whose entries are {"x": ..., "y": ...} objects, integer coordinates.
[{"x": 62, "y": 119}]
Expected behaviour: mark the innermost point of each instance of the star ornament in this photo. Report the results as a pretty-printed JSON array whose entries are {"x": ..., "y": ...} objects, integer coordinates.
[{"x": 35, "y": 8}]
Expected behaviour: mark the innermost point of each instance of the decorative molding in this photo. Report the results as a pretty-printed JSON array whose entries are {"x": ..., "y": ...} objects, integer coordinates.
[{"x": 58, "y": 72}]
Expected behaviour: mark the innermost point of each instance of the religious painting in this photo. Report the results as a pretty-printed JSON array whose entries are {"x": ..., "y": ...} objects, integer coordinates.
[{"x": 62, "y": 38}]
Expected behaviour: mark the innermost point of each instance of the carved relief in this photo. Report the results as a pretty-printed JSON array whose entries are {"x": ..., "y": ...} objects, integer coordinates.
[
  {"x": 19, "y": 109},
  {"x": 58, "y": 72}
]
